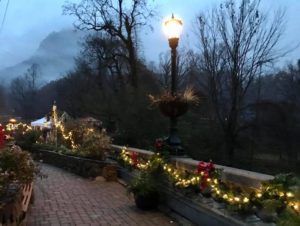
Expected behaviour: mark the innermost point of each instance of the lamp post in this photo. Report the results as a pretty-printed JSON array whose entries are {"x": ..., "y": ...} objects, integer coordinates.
[{"x": 173, "y": 29}]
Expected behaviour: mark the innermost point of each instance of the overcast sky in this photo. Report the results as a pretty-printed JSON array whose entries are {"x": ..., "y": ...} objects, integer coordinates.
[{"x": 27, "y": 22}]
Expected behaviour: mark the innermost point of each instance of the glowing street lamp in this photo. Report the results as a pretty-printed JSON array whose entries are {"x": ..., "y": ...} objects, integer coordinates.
[{"x": 173, "y": 28}]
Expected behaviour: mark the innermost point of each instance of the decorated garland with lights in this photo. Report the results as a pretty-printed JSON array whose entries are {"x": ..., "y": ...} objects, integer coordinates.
[{"x": 206, "y": 177}]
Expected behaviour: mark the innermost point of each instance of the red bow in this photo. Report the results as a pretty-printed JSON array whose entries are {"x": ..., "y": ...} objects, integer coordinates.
[
  {"x": 205, "y": 167},
  {"x": 205, "y": 170},
  {"x": 134, "y": 157},
  {"x": 158, "y": 144}
]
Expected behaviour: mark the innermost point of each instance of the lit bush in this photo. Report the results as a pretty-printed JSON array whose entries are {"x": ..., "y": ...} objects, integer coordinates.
[{"x": 95, "y": 144}]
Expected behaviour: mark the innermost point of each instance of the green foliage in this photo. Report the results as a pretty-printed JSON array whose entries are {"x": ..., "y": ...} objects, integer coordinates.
[
  {"x": 241, "y": 208},
  {"x": 271, "y": 205},
  {"x": 41, "y": 146},
  {"x": 64, "y": 150},
  {"x": 289, "y": 217},
  {"x": 143, "y": 184},
  {"x": 285, "y": 181},
  {"x": 27, "y": 139},
  {"x": 280, "y": 186}
]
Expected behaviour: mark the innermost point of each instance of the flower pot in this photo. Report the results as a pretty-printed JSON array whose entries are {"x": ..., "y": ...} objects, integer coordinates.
[
  {"x": 109, "y": 172},
  {"x": 173, "y": 108},
  {"x": 147, "y": 201}
]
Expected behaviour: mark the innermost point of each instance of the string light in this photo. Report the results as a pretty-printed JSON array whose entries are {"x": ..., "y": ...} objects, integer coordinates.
[
  {"x": 59, "y": 125},
  {"x": 289, "y": 194},
  {"x": 13, "y": 126},
  {"x": 237, "y": 199},
  {"x": 258, "y": 195},
  {"x": 296, "y": 206},
  {"x": 225, "y": 196},
  {"x": 245, "y": 200}
]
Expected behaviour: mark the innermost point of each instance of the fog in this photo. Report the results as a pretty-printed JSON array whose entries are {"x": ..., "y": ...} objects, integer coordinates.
[{"x": 27, "y": 23}]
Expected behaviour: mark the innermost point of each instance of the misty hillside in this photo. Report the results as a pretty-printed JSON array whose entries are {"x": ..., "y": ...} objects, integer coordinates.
[{"x": 54, "y": 56}]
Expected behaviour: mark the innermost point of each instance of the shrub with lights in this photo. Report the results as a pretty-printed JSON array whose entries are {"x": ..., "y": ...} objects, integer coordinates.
[
  {"x": 16, "y": 167},
  {"x": 74, "y": 138},
  {"x": 95, "y": 144},
  {"x": 277, "y": 200},
  {"x": 16, "y": 130},
  {"x": 21, "y": 134}
]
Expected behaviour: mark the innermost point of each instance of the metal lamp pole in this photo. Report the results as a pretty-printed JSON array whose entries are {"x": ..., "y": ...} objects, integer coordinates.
[
  {"x": 173, "y": 29},
  {"x": 173, "y": 139}
]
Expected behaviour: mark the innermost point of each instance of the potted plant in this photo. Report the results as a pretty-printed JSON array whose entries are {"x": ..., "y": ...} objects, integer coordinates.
[{"x": 144, "y": 189}]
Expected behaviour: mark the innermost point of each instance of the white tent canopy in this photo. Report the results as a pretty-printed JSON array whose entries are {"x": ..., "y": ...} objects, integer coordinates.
[{"x": 41, "y": 123}]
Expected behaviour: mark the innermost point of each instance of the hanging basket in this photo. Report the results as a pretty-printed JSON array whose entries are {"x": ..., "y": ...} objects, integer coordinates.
[{"x": 173, "y": 108}]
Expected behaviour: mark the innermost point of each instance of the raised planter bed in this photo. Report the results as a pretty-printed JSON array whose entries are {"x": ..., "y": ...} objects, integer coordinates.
[{"x": 81, "y": 166}]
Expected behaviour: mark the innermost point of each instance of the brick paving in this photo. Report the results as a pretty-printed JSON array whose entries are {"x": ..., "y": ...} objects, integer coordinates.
[{"x": 66, "y": 199}]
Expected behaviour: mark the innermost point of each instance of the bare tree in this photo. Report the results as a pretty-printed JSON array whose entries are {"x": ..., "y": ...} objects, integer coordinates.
[
  {"x": 3, "y": 103},
  {"x": 119, "y": 19},
  {"x": 184, "y": 65},
  {"x": 106, "y": 57},
  {"x": 23, "y": 90},
  {"x": 236, "y": 40}
]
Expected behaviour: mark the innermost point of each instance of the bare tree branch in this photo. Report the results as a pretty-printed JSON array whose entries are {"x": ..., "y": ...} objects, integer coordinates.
[
  {"x": 119, "y": 19},
  {"x": 237, "y": 40}
]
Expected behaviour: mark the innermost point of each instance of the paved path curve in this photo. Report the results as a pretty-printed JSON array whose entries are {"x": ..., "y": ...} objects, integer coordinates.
[{"x": 66, "y": 199}]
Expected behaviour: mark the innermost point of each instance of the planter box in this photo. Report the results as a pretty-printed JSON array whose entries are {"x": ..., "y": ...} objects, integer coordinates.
[
  {"x": 200, "y": 212},
  {"x": 14, "y": 208}
]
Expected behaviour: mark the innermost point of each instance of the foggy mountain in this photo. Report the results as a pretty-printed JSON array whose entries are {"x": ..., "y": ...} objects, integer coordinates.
[{"x": 54, "y": 57}]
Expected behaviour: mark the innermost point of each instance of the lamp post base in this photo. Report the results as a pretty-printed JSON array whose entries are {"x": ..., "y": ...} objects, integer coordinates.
[
  {"x": 176, "y": 150},
  {"x": 174, "y": 145}
]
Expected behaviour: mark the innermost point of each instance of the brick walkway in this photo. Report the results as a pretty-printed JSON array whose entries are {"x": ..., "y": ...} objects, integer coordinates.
[{"x": 66, "y": 199}]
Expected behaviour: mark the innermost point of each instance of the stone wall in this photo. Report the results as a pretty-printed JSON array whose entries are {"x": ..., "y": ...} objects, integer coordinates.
[{"x": 80, "y": 166}]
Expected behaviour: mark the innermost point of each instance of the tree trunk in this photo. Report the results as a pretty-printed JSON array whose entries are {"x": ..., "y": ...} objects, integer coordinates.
[
  {"x": 229, "y": 147},
  {"x": 132, "y": 64}
]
